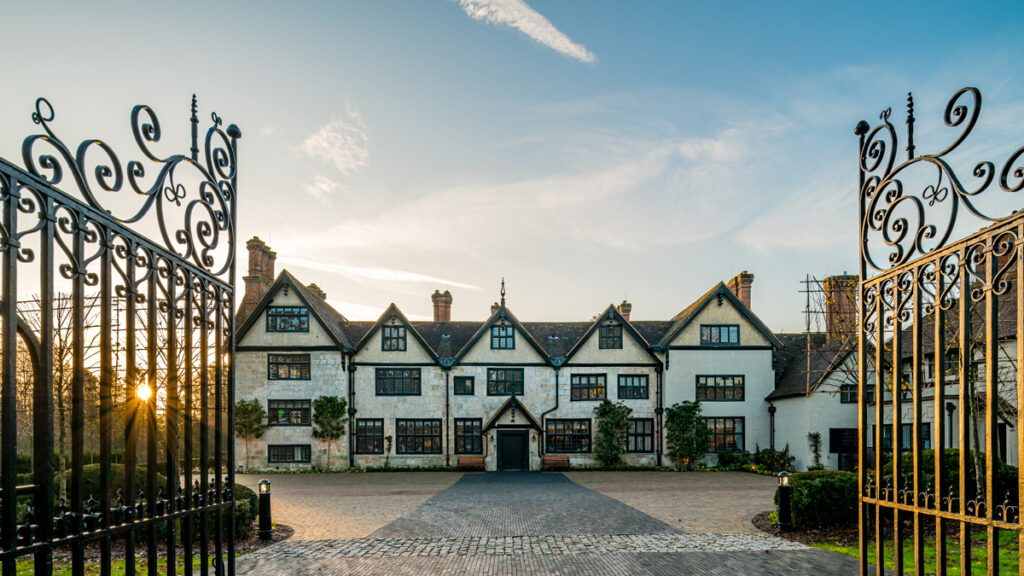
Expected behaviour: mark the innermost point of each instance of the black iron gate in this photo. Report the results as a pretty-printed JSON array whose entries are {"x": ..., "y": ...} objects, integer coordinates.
[
  {"x": 941, "y": 322},
  {"x": 117, "y": 334}
]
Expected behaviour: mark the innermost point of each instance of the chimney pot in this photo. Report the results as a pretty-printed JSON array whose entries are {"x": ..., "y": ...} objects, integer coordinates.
[
  {"x": 840, "y": 308},
  {"x": 442, "y": 305},
  {"x": 317, "y": 291},
  {"x": 260, "y": 278},
  {"x": 624, "y": 309},
  {"x": 741, "y": 285}
]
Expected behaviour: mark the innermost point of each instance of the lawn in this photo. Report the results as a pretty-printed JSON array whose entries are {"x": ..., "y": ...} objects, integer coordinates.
[
  {"x": 1007, "y": 554},
  {"x": 25, "y": 567}
]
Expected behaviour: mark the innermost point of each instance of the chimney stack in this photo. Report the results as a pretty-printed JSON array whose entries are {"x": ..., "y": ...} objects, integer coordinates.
[
  {"x": 840, "y": 308},
  {"x": 624, "y": 309},
  {"x": 317, "y": 291},
  {"x": 260, "y": 278},
  {"x": 740, "y": 286},
  {"x": 442, "y": 306}
]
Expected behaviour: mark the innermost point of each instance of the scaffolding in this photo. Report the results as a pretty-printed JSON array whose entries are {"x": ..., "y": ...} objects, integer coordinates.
[{"x": 830, "y": 331}]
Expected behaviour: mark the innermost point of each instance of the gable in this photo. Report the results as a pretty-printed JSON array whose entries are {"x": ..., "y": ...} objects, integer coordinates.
[
  {"x": 526, "y": 350},
  {"x": 633, "y": 351},
  {"x": 371, "y": 349},
  {"x": 256, "y": 333},
  {"x": 720, "y": 312}
]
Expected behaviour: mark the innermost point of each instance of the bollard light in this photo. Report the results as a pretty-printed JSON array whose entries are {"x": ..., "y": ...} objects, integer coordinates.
[
  {"x": 265, "y": 530},
  {"x": 785, "y": 510}
]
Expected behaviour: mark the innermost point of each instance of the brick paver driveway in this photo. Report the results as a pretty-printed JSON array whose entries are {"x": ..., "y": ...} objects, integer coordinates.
[{"x": 529, "y": 523}]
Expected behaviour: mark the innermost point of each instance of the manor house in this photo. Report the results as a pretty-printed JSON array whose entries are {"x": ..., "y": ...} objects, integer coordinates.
[{"x": 500, "y": 390}]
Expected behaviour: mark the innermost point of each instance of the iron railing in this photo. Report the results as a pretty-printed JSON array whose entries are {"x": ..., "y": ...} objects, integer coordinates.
[
  {"x": 956, "y": 306},
  {"x": 153, "y": 242}
]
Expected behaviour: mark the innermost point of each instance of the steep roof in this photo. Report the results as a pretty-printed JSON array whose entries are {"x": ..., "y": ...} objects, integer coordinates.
[
  {"x": 501, "y": 313},
  {"x": 332, "y": 321},
  {"x": 610, "y": 313},
  {"x": 392, "y": 311},
  {"x": 794, "y": 378},
  {"x": 683, "y": 319}
]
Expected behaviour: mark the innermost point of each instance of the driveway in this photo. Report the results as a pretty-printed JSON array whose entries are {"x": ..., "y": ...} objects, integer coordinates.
[{"x": 529, "y": 523}]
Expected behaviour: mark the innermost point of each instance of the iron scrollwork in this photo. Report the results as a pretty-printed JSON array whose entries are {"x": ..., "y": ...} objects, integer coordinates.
[
  {"x": 909, "y": 224},
  {"x": 200, "y": 190}
]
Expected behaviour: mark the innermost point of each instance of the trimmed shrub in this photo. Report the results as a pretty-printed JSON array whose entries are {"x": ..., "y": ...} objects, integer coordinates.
[
  {"x": 1006, "y": 475},
  {"x": 823, "y": 498},
  {"x": 774, "y": 460},
  {"x": 733, "y": 460}
]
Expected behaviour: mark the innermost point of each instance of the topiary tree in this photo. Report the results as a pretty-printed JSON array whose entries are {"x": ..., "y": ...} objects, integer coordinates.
[
  {"x": 329, "y": 413},
  {"x": 612, "y": 432},
  {"x": 686, "y": 433},
  {"x": 250, "y": 422}
]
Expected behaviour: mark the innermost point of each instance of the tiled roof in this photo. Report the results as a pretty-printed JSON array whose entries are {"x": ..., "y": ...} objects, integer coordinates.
[
  {"x": 557, "y": 338},
  {"x": 334, "y": 321},
  {"x": 792, "y": 363}
]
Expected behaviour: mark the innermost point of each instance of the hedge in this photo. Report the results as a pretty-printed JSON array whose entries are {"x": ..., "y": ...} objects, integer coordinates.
[
  {"x": 1006, "y": 475},
  {"x": 823, "y": 498}
]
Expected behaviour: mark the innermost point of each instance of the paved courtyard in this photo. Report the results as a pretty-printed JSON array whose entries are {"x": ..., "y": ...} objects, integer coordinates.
[{"x": 584, "y": 523}]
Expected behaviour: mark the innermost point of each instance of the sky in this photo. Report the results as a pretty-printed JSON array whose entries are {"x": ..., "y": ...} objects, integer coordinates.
[{"x": 585, "y": 151}]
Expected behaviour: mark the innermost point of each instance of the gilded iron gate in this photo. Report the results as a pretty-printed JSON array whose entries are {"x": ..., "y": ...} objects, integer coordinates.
[
  {"x": 941, "y": 323},
  {"x": 117, "y": 333}
]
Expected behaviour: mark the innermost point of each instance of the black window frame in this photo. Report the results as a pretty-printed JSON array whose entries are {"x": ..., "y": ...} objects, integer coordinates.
[
  {"x": 588, "y": 383},
  {"x": 569, "y": 440},
  {"x": 393, "y": 338},
  {"x": 398, "y": 377},
  {"x": 739, "y": 446},
  {"x": 419, "y": 434},
  {"x": 469, "y": 441},
  {"x": 626, "y": 387},
  {"x": 842, "y": 440},
  {"x": 505, "y": 339},
  {"x": 709, "y": 390},
  {"x": 707, "y": 332},
  {"x": 518, "y": 386},
  {"x": 644, "y": 435},
  {"x": 464, "y": 391},
  {"x": 906, "y": 436},
  {"x": 305, "y": 449},
  {"x": 369, "y": 433},
  {"x": 298, "y": 361},
  {"x": 305, "y": 408},
  {"x": 848, "y": 394},
  {"x": 609, "y": 336},
  {"x": 276, "y": 314}
]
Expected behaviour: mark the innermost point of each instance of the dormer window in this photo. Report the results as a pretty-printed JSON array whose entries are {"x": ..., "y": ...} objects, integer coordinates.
[
  {"x": 287, "y": 319},
  {"x": 503, "y": 337},
  {"x": 719, "y": 335},
  {"x": 393, "y": 339},
  {"x": 610, "y": 336}
]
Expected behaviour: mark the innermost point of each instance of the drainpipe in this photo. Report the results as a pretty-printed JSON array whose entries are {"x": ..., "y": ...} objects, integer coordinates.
[
  {"x": 771, "y": 425},
  {"x": 351, "y": 414},
  {"x": 447, "y": 440},
  {"x": 556, "y": 363},
  {"x": 658, "y": 411}
]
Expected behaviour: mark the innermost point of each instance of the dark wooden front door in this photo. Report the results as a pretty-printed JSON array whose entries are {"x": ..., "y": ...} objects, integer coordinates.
[{"x": 512, "y": 450}]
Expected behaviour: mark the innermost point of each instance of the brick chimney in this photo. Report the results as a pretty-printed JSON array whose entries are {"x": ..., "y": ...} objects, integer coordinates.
[
  {"x": 317, "y": 291},
  {"x": 442, "y": 306},
  {"x": 260, "y": 277},
  {"x": 840, "y": 308},
  {"x": 740, "y": 286},
  {"x": 624, "y": 309}
]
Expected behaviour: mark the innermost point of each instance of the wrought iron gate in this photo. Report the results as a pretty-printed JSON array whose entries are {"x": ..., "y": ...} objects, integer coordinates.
[
  {"x": 117, "y": 333},
  {"x": 941, "y": 321}
]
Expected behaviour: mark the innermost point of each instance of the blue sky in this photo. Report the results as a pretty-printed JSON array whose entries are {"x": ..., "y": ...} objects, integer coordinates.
[{"x": 586, "y": 151}]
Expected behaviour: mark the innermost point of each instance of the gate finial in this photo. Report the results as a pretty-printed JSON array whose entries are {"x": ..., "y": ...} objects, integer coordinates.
[
  {"x": 195, "y": 129},
  {"x": 910, "y": 126}
]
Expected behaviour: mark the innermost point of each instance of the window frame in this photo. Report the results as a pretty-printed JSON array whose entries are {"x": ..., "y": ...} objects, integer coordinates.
[
  {"x": 646, "y": 436},
  {"x": 567, "y": 436},
  {"x": 740, "y": 445},
  {"x": 474, "y": 437},
  {"x": 492, "y": 391},
  {"x": 307, "y": 409},
  {"x": 718, "y": 328},
  {"x": 276, "y": 375},
  {"x": 471, "y": 391},
  {"x": 401, "y": 440},
  {"x": 504, "y": 341},
  {"x": 848, "y": 394},
  {"x": 609, "y": 336},
  {"x": 742, "y": 387},
  {"x": 378, "y": 380},
  {"x": 399, "y": 338},
  {"x": 306, "y": 459},
  {"x": 276, "y": 312},
  {"x": 646, "y": 387},
  {"x": 376, "y": 441},
  {"x": 579, "y": 383}
]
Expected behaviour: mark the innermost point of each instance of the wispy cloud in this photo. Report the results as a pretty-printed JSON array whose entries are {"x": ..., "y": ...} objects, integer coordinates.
[
  {"x": 321, "y": 187},
  {"x": 356, "y": 311},
  {"x": 375, "y": 273},
  {"x": 342, "y": 142},
  {"x": 519, "y": 15}
]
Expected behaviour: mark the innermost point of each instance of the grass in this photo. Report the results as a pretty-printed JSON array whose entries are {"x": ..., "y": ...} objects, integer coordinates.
[
  {"x": 26, "y": 567},
  {"x": 1007, "y": 554}
]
